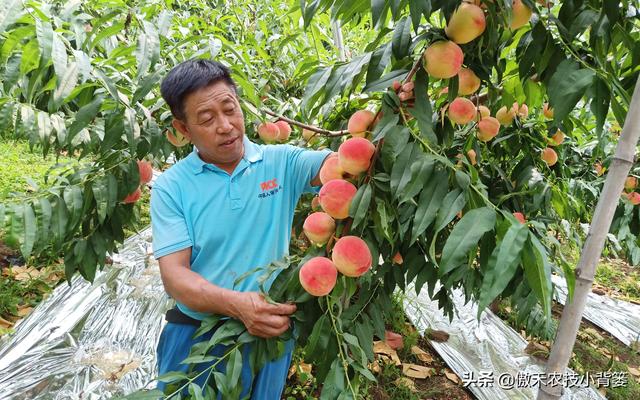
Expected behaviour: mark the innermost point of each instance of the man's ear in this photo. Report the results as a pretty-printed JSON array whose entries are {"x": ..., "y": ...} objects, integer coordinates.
[{"x": 181, "y": 127}]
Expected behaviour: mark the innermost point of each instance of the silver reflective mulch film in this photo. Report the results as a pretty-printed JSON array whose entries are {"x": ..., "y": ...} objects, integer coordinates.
[
  {"x": 90, "y": 341},
  {"x": 620, "y": 318},
  {"x": 484, "y": 351}
]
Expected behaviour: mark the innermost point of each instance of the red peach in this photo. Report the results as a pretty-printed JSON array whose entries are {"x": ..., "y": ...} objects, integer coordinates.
[
  {"x": 488, "y": 128},
  {"x": 443, "y": 59},
  {"x": 397, "y": 258},
  {"x": 352, "y": 256},
  {"x": 547, "y": 111},
  {"x": 319, "y": 227},
  {"x": 468, "y": 82},
  {"x": 630, "y": 183},
  {"x": 504, "y": 116},
  {"x": 520, "y": 217},
  {"x": 360, "y": 122},
  {"x": 336, "y": 196},
  {"x": 268, "y": 132},
  {"x": 466, "y": 23},
  {"x": 315, "y": 203},
  {"x": 133, "y": 196},
  {"x": 318, "y": 276},
  {"x": 471, "y": 154},
  {"x": 634, "y": 198},
  {"x": 284, "y": 130},
  {"x": 462, "y": 111},
  {"x": 331, "y": 169},
  {"x": 177, "y": 140},
  {"x": 484, "y": 112},
  {"x": 520, "y": 14},
  {"x": 599, "y": 169},
  {"x": 557, "y": 138},
  {"x": 355, "y": 155},
  {"x": 549, "y": 156},
  {"x": 145, "y": 170}
]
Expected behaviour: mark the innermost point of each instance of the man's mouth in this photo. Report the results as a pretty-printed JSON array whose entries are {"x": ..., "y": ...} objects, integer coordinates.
[{"x": 229, "y": 142}]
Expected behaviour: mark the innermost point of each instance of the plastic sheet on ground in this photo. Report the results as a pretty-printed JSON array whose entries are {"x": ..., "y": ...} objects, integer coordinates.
[
  {"x": 485, "y": 347},
  {"x": 90, "y": 341},
  {"x": 619, "y": 318}
]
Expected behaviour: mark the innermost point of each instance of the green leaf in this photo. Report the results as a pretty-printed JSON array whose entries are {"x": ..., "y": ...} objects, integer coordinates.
[
  {"x": 453, "y": 202},
  {"x": 316, "y": 83},
  {"x": 360, "y": 205},
  {"x": 421, "y": 110},
  {"x": 131, "y": 128},
  {"x": 59, "y": 56},
  {"x": 420, "y": 173},
  {"x": 401, "y": 38},
  {"x": 145, "y": 86},
  {"x": 465, "y": 236},
  {"x": 377, "y": 8},
  {"x": 234, "y": 366},
  {"x": 401, "y": 171},
  {"x": 386, "y": 81},
  {"x": 44, "y": 32},
  {"x": 538, "y": 272},
  {"x": 154, "y": 394},
  {"x": 502, "y": 264},
  {"x": 66, "y": 84},
  {"x": 10, "y": 12},
  {"x": 429, "y": 202},
  {"x": 334, "y": 384},
  {"x": 59, "y": 220},
  {"x": 84, "y": 116},
  {"x": 566, "y": 87},
  {"x": 386, "y": 124},
  {"x": 600, "y": 103}
]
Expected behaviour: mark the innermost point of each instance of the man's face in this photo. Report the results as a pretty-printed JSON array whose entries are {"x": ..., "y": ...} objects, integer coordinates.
[{"x": 215, "y": 124}]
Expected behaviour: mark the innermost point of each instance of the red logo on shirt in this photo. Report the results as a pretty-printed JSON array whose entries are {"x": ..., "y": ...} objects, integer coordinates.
[{"x": 268, "y": 185}]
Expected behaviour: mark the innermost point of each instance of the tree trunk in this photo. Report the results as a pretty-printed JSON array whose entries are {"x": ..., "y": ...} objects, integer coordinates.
[{"x": 562, "y": 349}]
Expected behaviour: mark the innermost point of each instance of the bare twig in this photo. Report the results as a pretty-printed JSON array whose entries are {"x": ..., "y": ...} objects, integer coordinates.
[{"x": 312, "y": 128}]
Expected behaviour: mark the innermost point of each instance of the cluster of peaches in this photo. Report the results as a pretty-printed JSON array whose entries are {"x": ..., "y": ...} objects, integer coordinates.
[
  {"x": 630, "y": 184},
  {"x": 146, "y": 174},
  {"x": 444, "y": 59},
  {"x": 350, "y": 255}
]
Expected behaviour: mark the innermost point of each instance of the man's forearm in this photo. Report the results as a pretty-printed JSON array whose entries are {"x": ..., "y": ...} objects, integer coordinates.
[{"x": 192, "y": 290}]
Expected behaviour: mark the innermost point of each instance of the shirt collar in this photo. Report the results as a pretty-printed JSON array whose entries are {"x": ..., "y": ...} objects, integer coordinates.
[{"x": 252, "y": 154}]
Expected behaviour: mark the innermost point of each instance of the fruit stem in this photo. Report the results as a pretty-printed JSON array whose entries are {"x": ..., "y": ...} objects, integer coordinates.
[{"x": 321, "y": 131}]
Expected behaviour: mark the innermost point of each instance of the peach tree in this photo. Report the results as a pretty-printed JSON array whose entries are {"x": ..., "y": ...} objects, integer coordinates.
[{"x": 467, "y": 116}]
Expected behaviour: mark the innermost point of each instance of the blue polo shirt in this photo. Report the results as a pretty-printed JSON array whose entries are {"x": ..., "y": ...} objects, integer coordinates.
[{"x": 233, "y": 223}]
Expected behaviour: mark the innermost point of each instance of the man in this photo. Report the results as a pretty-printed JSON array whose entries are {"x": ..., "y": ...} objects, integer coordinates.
[{"x": 222, "y": 211}]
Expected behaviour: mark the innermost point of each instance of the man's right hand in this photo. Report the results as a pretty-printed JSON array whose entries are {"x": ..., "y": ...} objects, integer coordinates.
[{"x": 261, "y": 318}]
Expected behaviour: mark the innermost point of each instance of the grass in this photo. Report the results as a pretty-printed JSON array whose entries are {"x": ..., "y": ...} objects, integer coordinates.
[{"x": 17, "y": 162}]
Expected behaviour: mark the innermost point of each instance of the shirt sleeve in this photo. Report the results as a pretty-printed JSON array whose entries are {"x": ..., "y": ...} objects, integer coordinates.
[
  {"x": 303, "y": 166},
  {"x": 168, "y": 224}
]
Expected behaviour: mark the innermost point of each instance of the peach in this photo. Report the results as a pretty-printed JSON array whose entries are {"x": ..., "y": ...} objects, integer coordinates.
[
  {"x": 268, "y": 132},
  {"x": 309, "y": 136},
  {"x": 547, "y": 111},
  {"x": 397, "y": 259},
  {"x": 471, "y": 154},
  {"x": 599, "y": 169},
  {"x": 133, "y": 196},
  {"x": 284, "y": 130},
  {"x": 318, "y": 276},
  {"x": 177, "y": 139},
  {"x": 557, "y": 138},
  {"x": 360, "y": 122},
  {"x": 484, "y": 111},
  {"x": 336, "y": 196},
  {"x": 355, "y": 155},
  {"x": 634, "y": 198},
  {"x": 468, "y": 82},
  {"x": 504, "y": 116},
  {"x": 443, "y": 59},
  {"x": 319, "y": 227},
  {"x": 315, "y": 203},
  {"x": 630, "y": 183},
  {"x": 466, "y": 23},
  {"x": 523, "y": 111},
  {"x": 396, "y": 85},
  {"x": 352, "y": 256},
  {"x": 462, "y": 111},
  {"x": 520, "y": 14},
  {"x": 488, "y": 128},
  {"x": 520, "y": 217},
  {"x": 331, "y": 169},
  {"x": 549, "y": 156},
  {"x": 145, "y": 170}
]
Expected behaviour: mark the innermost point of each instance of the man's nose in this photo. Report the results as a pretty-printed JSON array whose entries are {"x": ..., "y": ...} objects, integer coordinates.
[{"x": 224, "y": 125}]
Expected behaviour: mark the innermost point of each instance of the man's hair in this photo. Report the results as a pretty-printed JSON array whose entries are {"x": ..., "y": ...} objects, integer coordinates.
[{"x": 189, "y": 76}]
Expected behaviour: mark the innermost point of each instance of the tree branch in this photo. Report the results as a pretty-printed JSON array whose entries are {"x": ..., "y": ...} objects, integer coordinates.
[{"x": 312, "y": 128}]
